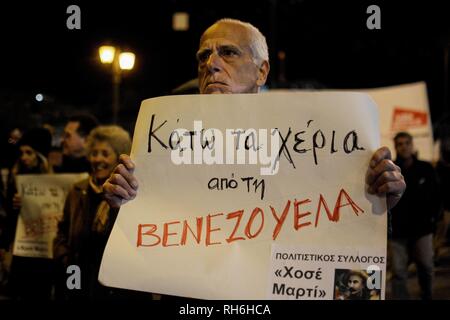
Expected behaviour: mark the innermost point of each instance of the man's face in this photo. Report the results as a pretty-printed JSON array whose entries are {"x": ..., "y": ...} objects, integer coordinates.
[
  {"x": 225, "y": 61},
  {"x": 355, "y": 284},
  {"x": 404, "y": 147},
  {"x": 73, "y": 144}
]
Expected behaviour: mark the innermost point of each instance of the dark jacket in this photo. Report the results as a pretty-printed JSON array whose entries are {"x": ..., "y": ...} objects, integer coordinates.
[
  {"x": 81, "y": 239},
  {"x": 30, "y": 278},
  {"x": 75, "y": 227},
  {"x": 12, "y": 214},
  {"x": 416, "y": 212},
  {"x": 82, "y": 236}
]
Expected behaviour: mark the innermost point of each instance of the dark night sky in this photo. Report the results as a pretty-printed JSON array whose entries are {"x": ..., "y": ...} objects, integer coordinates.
[{"x": 325, "y": 41}]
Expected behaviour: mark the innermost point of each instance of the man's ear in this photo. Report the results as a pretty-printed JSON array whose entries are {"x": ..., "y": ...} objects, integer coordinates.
[{"x": 263, "y": 72}]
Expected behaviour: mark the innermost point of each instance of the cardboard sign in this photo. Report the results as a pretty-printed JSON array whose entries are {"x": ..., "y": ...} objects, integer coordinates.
[
  {"x": 405, "y": 108},
  {"x": 43, "y": 198},
  {"x": 227, "y": 182}
]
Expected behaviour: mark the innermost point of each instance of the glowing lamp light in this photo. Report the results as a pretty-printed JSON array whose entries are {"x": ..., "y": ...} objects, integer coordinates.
[
  {"x": 126, "y": 60},
  {"x": 107, "y": 54}
]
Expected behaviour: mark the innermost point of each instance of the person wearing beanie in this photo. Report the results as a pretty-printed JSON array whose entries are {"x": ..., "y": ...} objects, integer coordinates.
[
  {"x": 30, "y": 278},
  {"x": 39, "y": 139},
  {"x": 33, "y": 150},
  {"x": 34, "y": 147}
]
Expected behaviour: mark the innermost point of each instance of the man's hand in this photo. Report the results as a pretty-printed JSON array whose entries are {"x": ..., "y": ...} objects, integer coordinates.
[
  {"x": 385, "y": 178},
  {"x": 17, "y": 202},
  {"x": 121, "y": 186}
]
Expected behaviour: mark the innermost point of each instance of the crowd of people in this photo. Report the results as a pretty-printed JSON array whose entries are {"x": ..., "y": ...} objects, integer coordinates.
[
  {"x": 232, "y": 58},
  {"x": 86, "y": 223}
]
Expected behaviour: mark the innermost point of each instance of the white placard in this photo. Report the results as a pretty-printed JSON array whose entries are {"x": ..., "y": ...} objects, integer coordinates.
[
  {"x": 43, "y": 197},
  {"x": 206, "y": 231}
]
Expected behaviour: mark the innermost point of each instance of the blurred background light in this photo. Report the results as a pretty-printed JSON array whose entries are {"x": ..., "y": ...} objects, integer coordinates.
[
  {"x": 126, "y": 60},
  {"x": 180, "y": 21},
  {"x": 107, "y": 54}
]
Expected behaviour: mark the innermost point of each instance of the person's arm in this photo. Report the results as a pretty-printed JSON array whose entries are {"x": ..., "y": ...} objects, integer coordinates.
[
  {"x": 384, "y": 177},
  {"x": 122, "y": 185},
  {"x": 17, "y": 202},
  {"x": 60, "y": 244},
  {"x": 12, "y": 213}
]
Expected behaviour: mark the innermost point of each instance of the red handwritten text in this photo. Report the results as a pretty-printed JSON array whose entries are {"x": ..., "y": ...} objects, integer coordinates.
[{"x": 180, "y": 233}]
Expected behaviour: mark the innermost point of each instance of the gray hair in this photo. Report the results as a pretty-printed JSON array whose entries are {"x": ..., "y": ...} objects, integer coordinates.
[
  {"x": 258, "y": 43},
  {"x": 116, "y": 136}
]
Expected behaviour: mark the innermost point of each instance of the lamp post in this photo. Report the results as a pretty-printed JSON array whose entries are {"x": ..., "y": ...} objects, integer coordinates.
[{"x": 119, "y": 61}]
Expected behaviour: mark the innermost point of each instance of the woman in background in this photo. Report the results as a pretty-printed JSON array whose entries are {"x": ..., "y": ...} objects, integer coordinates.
[
  {"x": 31, "y": 278},
  {"x": 88, "y": 220}
]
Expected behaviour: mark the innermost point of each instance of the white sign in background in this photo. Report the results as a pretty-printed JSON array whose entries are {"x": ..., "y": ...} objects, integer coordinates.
[
  {"x": 43, "y": 197},
  {"x": 180, "y": 237},
  {"x": 402, "y": 107},
  {"x": 405, "y": 108}
]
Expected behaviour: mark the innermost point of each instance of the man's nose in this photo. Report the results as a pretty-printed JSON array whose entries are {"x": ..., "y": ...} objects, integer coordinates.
[{"x": 214, "y": 63}]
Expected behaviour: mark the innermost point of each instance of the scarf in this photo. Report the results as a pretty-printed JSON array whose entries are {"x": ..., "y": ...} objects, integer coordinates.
[{"x": 101, "y": 218}]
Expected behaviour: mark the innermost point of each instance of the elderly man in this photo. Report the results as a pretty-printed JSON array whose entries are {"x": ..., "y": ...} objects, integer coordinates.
[{"x": 233, "y": 58}]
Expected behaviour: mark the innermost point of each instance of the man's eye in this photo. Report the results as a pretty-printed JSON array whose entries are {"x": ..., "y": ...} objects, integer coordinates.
[
  {"x": 228, "y": 53},
  {"x": 203, "y": 56}
]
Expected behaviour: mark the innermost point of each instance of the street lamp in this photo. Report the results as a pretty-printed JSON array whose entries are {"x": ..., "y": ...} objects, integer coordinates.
[{"x": 119, "y": 61}]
